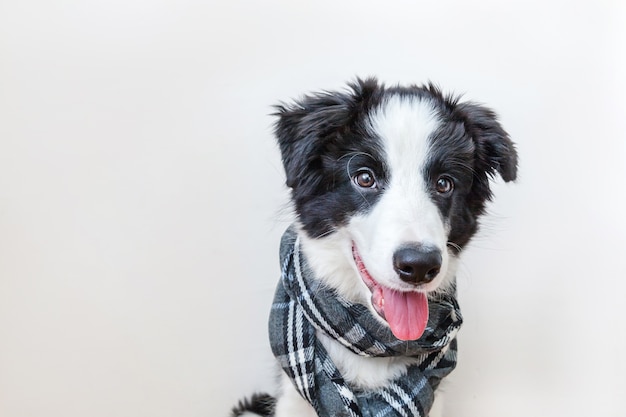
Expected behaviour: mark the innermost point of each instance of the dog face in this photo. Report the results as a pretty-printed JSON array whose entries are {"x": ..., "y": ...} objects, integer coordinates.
[{"x": 388, "y": 185}]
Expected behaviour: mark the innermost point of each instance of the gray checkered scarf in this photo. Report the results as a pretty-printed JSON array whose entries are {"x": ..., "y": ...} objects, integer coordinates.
[{"x": 302, "y": 307}]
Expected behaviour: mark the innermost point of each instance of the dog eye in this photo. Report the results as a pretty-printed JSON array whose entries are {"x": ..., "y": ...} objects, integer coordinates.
[
  {"x": 444, "y": 185},
  {"x": 365, "y": 179}
]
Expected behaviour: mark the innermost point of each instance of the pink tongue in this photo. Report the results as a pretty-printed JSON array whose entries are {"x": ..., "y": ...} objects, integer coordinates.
[{"x": 406, "y": 313}]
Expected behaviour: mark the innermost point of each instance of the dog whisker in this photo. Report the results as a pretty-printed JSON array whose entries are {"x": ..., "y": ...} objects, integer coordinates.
[
  {"x": 453, "y": 245},
  {"x": 355, "y": 153},
  {"x": 326, "y": 233}
]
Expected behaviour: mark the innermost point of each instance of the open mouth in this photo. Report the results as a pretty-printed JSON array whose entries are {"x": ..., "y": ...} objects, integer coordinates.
[{"x": 406, "y": 312}]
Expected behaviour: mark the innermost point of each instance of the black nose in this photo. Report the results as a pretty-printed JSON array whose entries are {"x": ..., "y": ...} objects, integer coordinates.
[{"x": 417, "y": 264}]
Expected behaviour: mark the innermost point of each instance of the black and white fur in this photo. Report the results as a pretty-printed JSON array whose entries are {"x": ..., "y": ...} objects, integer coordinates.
[{"x": 387, "y": 170}]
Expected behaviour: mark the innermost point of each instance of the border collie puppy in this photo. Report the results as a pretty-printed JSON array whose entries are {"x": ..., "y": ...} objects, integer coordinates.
[{"x": 388, "y": 184}]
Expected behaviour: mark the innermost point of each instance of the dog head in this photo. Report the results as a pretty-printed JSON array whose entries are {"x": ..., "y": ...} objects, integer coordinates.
[{"x": 388, "y": 185}]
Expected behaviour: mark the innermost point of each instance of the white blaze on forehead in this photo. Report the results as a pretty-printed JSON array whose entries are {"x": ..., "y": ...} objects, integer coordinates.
[{"x": 404, "y": 124}]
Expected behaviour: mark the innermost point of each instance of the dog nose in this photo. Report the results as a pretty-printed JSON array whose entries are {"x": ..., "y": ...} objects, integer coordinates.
[{"x": 417, "y": 264}]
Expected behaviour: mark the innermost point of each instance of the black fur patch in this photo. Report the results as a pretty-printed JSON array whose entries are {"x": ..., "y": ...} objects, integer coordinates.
[
  {"x": 323, "y": 139},
  {"x": 260, "y": 403}
]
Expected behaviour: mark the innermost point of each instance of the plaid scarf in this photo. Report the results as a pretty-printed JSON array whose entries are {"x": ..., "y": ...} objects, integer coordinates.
[{"x": 303, "y": 306}]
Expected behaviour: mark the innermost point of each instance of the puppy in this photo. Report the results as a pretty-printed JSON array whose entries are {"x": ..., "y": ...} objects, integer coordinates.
[{"x": 388, "y": 185}]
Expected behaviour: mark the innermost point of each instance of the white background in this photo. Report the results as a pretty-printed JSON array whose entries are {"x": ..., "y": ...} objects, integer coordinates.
[{"x": 142, "y": 199}]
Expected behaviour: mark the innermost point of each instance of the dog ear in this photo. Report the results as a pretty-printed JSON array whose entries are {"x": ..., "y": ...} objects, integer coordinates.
[
  {"x": 494, "y": 149},
  {"x": 305, "y": 127}
]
